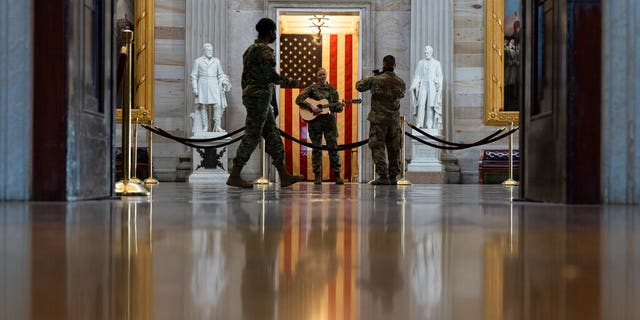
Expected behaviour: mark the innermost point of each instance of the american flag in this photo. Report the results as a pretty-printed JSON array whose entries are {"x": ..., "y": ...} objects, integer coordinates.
[{"x": 299, "y": 58}]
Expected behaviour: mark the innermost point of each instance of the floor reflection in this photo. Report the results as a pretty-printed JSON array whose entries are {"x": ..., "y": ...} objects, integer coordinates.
[{"x": 319, "y": 252}]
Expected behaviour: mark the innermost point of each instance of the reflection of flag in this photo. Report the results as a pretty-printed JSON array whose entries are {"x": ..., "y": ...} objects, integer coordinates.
[
  {"x": 298, "y": 60},
  {"x": 317, "y": 256}
]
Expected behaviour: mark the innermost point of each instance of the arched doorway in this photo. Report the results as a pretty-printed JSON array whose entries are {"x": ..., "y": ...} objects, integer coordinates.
[{"x": 303, "y": 49}]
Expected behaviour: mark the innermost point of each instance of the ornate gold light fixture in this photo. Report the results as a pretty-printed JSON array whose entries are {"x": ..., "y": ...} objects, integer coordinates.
[{"x": 319, "y": 22}]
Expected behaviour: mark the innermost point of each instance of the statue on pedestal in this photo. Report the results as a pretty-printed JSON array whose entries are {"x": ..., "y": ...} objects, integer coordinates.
[
  {"x": 426, "y": 92},
  {"x": 209, "y": 84}
]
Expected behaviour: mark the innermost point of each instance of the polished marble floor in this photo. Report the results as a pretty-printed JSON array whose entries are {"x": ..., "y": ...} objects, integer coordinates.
[{"x": 319, "y": 252}]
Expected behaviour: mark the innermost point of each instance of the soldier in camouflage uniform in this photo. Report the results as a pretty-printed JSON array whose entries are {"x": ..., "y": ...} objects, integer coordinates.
[
  {"x": 258, "y": 78},
  {"x": 323, "y": 124},
  {"x": 386, "y": 91}
]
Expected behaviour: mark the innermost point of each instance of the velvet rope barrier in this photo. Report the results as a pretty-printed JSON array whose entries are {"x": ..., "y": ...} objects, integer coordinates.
[
  {"x": 454, "y": 143},
  {"x": 181, "y": 139},
  {"x": 479, "y": 143},
  {"x": 174, "y": 138},
  {"x": 324, "y": 147}
]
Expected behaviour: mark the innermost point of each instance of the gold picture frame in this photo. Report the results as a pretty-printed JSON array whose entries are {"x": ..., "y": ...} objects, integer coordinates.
[
  {"x": 143, "y": 50},
  {"x": 494, "y": 91}
]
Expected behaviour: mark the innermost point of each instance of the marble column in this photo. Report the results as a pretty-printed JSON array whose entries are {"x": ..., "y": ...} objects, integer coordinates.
[
  {"x": 16, "y": 91},
  {"x": 621, "y": 102},
  {"x": 206, "y": 22},
  {"x": 432, "y": 24}
]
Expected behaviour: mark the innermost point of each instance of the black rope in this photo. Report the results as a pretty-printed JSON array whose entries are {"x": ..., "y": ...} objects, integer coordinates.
[
  {"x": 181, "y": 139},
  {"x": 213, "y": 146},
  {"x": 481, "y": 142},
  {"x": 454, "y": 143},
  {"x": 325, "y": 147},
  {"x": 193, "y": 145}
]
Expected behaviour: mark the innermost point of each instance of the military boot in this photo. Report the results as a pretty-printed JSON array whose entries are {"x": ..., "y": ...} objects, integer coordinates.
[
  {"x": 286, "y": 179},
  {"x": 235, "y": 180},
  {"x": 338, "y": 178},
  {"x": 382, "y": 180},
  {"x": 318, "y": 179}
]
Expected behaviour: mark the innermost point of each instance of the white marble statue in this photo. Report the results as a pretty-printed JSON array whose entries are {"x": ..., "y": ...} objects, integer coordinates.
[
  {"x": 209, "y": 84},
  {"x": 426, "y": 91}
]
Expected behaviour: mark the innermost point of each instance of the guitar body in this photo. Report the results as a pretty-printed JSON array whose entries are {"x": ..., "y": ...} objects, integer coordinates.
[
  {"x": 324, "y": 105},
  {"x": 308, "y": 115}
]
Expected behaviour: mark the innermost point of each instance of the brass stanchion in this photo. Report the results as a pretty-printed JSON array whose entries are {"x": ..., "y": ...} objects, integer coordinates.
[
  {"x": 403, "y": 181},
  {"x": 126, "y": 187},
  {"x": 150, "y": 179},
  {"x": 510, "y": 181},
  {"x": 403, "y": 220},
  {"x": 263, "y": 179},
  {"x": 134, "y": 153}
]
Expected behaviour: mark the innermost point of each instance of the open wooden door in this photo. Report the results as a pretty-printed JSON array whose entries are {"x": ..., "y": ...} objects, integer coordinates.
[{"x": 560, "y": 124}]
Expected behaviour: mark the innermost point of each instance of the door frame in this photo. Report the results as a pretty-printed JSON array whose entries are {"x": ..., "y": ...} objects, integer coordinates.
[{"x": 366, "y": 54}]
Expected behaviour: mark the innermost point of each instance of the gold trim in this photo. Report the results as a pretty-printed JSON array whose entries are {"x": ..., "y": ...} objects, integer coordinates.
[
  {"x": 143, "y": 66},
  {"x": 494, "y": 114}
]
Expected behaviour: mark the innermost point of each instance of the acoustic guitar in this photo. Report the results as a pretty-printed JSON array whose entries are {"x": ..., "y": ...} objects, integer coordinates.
[{"x": 323, "y": 105}]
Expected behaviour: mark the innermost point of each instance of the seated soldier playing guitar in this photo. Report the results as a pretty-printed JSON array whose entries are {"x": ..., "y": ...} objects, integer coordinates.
[{"x": 323, "y": 124}]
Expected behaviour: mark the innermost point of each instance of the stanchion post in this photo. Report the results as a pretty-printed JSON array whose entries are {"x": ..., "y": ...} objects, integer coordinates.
[
  {"x": 150, "y": 179},
  {"x": 510, "y": 181},
  {"x": 263, "y": 168},
  {"x": 403, "y": 181},
  {"x": 134, "y": 153},
  {"x": 126, "y": 187}
]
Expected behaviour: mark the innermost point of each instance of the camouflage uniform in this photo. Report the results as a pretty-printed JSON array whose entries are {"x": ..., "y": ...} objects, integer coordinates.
[
  {"x": 258, "y": 79},
  {"x": 386, "y": 91},
  {"x": 323, "y": 124}
]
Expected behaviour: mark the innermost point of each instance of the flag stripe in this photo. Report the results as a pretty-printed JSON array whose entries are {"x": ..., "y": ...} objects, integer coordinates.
[
  {"x": 333, "y": 60},
  {"x": 348, "y": 95},
  {"x": 287, "y": 242},
  {"x": 288, "y": 128},
  {"x": 347, "y": 266}
]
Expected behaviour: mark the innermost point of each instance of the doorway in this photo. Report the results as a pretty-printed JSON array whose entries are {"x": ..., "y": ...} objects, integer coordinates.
[{"x": 311, "y": 39}]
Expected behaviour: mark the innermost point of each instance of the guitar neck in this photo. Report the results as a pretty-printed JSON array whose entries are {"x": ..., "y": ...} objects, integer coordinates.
[{"x": 329, "y": 105}]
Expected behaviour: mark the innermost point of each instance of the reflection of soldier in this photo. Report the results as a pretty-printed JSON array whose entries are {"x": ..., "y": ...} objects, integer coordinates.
[
  {"x": 258, "y": 77},
  {"x": 386, "y": 91},
  {"x": 300, "y": 294},
  {"x": 258, "y": 290},
  {"x": 209, "y": 83},
  {"x": 385, "y": 250},
  {"x": 323, "y": 124}
]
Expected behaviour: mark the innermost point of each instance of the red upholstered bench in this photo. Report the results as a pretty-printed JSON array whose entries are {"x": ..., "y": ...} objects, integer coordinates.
[{"x": 493, "y": 166}]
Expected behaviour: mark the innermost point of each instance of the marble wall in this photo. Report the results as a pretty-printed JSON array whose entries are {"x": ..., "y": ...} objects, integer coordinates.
[
  {"x": 468, "y": 104},
  {"x": 620, "y": 102},
  {"x": 16, "y": 89},
  {"x": 392, "y": 28},
  {"x": 169, "y": 90}
]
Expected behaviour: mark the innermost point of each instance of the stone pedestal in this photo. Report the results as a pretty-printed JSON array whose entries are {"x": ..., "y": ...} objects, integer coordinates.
[
  {"x": 425, "y": 166},
  {"x": 210, "y": 165}
]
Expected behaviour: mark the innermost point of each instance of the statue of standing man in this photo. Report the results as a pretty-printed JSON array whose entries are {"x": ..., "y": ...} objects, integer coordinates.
[
  {"x": 426, "y": 91},
  {"x": 209, "y": 84}
]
